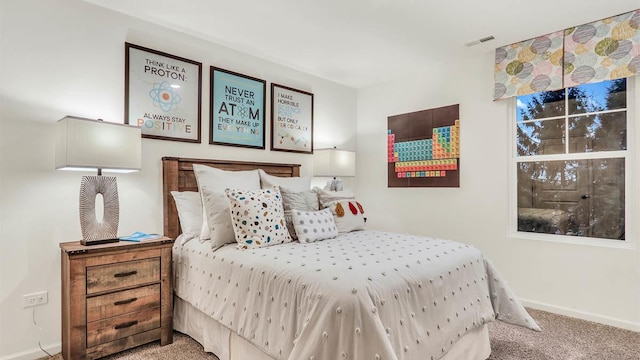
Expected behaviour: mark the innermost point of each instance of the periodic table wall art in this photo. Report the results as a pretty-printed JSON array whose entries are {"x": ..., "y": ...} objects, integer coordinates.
[{"x": 423, "y": 148}]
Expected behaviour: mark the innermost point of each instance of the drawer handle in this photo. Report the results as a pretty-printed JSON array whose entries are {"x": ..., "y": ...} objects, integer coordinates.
[
  {"x": 124, "y": 302},
  {"x": 125, "y": 274},
  {"x": 126, "y": 325}
]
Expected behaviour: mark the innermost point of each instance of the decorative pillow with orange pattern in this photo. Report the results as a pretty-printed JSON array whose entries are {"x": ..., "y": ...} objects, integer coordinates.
[{"x": 348, "y": 215}]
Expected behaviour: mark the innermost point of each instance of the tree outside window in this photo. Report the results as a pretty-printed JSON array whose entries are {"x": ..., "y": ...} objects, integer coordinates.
[{"x": 571, "y": 147}]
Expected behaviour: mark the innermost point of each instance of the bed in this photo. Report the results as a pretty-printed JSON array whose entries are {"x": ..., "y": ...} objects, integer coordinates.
[{"x": 363, "y": 295}]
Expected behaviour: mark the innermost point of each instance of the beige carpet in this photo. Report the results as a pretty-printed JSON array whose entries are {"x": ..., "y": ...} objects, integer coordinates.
[{"x": 562, "y": 338}]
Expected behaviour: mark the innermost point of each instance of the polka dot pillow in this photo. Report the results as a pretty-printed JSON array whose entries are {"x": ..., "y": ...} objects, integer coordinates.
[
  {"x": 312, "y": 226},
  {"x": 257, "y": 217}
]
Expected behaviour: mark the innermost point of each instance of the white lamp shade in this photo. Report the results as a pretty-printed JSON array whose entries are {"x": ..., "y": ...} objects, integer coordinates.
[
  {"x": 334, "y": 163},
  {"x": 85, "y": 144}
]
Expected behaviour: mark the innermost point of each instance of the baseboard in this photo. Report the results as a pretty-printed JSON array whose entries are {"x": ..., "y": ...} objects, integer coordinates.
[
  {"x": 623, "y": 324},
  {"x": 34, "y": 353}
]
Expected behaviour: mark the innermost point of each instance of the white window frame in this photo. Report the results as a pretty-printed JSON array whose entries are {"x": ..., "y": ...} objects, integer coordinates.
[{"x": 631, "y": 175}]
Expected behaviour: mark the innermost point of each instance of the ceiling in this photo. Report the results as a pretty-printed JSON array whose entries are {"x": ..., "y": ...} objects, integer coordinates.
[{"x": 359, "y": 43}]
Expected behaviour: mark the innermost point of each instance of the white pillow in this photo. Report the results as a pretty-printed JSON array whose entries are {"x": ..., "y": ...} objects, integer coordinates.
[
  {"x": 300, "y": 200},
  {"x": 348, "y": 215},
  {"x": 216, "y": 207},
  {"x": 258, "y": 218},
  {"x": 292, "y": 183},
  {"x": 326, "y": 197},
  {"x": 219, "y": 180},
  {"x": 314, "y": 225},
  {"x": 189, "y": 205}
]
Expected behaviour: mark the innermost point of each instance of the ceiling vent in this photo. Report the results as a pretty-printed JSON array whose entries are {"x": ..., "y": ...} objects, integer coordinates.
[{"x": 479, "y": 41}]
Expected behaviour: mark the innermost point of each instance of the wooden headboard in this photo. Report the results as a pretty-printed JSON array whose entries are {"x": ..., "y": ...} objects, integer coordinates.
[{"x": 178, "y": 175}]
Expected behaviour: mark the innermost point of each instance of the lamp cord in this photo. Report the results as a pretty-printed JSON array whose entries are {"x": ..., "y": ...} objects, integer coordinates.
[{"x": 33, "y": 317}]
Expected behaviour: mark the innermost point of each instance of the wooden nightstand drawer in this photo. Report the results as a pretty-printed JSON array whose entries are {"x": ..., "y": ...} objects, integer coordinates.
[
  {"x": 121, "y": 275},
  {"x": 102, "y": 331},
  {"x": 122, "y": 302},
  {"x": 115, "y": 296}
]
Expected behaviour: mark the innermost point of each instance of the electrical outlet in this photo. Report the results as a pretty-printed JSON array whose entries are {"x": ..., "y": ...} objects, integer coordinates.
[{"x": 35, "y": 299}]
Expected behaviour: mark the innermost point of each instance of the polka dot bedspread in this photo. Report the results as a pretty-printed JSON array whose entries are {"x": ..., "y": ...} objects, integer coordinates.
[{"x": 363, "y": 295}]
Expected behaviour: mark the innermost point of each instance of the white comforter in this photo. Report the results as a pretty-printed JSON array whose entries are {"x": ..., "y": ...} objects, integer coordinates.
[{"x": 364, "y": 295}]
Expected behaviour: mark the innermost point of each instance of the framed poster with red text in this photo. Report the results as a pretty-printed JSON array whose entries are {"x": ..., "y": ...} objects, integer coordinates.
[
  {"x": 162, "y": 94},
  {"x": 291, "y": 119}
]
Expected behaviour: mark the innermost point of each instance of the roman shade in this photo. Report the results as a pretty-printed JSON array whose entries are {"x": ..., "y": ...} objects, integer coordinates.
[
  {"x": 602, "y": 50},
  {"x": 606, "y": 49},
  {"x": 529, "y": 66}
]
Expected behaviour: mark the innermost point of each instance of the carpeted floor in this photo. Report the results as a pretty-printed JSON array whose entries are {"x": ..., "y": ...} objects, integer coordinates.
[{"x": 562, "y": 338}]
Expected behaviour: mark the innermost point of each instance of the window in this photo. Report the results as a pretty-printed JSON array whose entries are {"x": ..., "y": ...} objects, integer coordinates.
[{"x": 571, "y": 155}]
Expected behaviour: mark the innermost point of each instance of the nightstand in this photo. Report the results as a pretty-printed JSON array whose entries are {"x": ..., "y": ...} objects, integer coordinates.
[{"x": 115, "y": 296}]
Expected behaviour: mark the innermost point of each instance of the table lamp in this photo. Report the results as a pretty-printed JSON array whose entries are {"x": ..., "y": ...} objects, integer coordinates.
[
  {"x": 96, "y": 145},
  {"x": 334, "y": 163}
]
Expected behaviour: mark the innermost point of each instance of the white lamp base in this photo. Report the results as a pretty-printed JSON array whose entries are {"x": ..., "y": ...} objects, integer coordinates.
[
  {"x": 99, "y": 231},
  {"x": 334, "y": 185}
]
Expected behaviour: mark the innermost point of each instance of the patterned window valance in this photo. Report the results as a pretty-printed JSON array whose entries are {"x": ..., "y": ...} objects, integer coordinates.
[
  {"x": 602, "y": 50},
  {"x": 529, "y": 66}
]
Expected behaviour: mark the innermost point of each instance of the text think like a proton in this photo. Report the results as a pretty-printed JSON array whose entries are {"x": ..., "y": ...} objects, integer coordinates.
[{"x": 161, "y": 69}]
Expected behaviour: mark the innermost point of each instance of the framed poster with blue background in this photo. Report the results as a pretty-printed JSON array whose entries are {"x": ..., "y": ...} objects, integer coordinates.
[
  {"x": 162, "y": 94},
  {"x": 237, "y": 109}
]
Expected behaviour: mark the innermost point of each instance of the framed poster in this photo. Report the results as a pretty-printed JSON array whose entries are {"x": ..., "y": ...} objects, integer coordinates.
[
  {"x": 291, "y": 119},
  {"x": 423, "y": 148},
  {"x": 237, "y": 109},
  {"x": 162, "y": 94}
]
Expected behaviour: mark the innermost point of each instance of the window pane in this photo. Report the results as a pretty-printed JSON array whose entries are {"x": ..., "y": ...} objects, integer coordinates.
[
  {"x": 603, "y": 132},
  {"x": 573, "y": 197},
  {"x": 541, "y": 105},
  {"x": 606, "y": 95},
  {"x": 607, "y": 199},
  {"x": 541, "y": 137}
]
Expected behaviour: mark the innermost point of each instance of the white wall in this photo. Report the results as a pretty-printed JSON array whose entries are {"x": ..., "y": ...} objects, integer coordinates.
[
  {"x": 596, "y": 283},
  {"x": 67, "y": 57}
]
